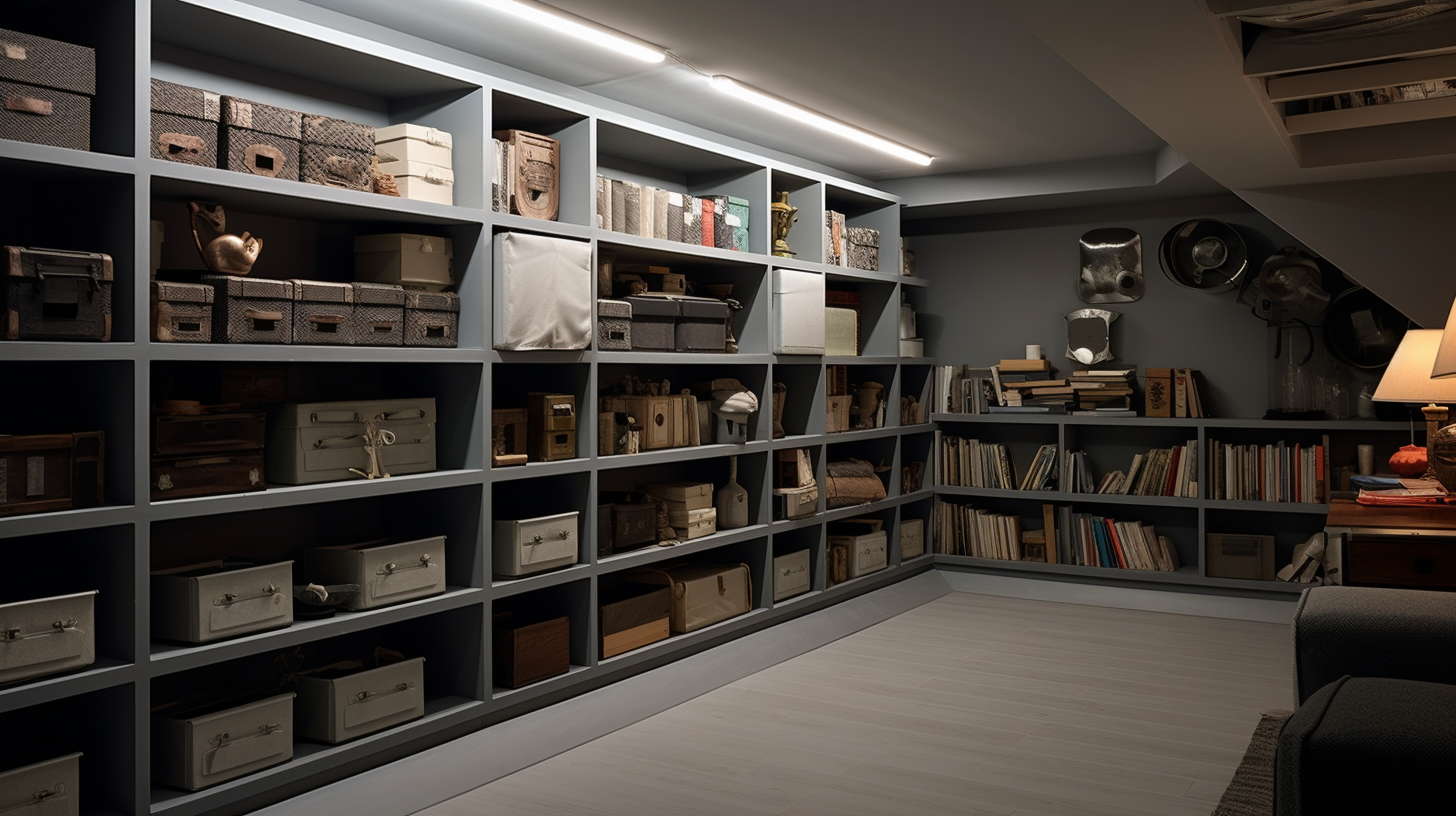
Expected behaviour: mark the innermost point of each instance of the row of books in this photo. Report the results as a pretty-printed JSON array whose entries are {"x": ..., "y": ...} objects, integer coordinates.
[
  {"x": 1079, "y": 539},
  {"x": 1159, "y": 472},
  {"x": 1090, "y": 540},
  {"x": 1174, "y": 392},
  {"x": 650, "y": 212},
  {"x": 1028, "y": 386},
  {"x": 964, "y": 530},
  {"x": 1278, "y": 472},
  {"x": 962, "y": 390},
  {"x": 972, "y": 463}
]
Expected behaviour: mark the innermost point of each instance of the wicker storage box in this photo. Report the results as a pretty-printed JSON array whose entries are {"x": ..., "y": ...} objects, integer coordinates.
[
  {"x": 323, "y": 313},
  {"x": 325, "y": 441},
  {"x": 337, "y": 153},
  {"x": 260, "y": 139},
  {"x": 431, "y": 319},
  {"x": 633, "y": 616},
  {"x": 412, "y": 261},
  {"x": 862, "y": 248},
  {"x": 181, "y": 312},
  {"x": 195, "y": 748},
  {"x": 53, "y": 294},
  {"x": 387, "y": 572},
  {"x": 185, "y": 122},
  {"x": 791, "y": 575},
  {"x": 528, "y": 546},
  {"x": 378, "y": 314},
  {"x": 529, "y": 650},
  {"x": 47, "y": 87},
  {"x": 49, "y": 788},
  {"x": 250, "y": 310},
  {"x": 337, "y": 705},
  {"x": 614, "y": 325},
  {"x": 207, "y": 602},
  {"x": 702, "y": 594},
  {"x": 44, "y": 636}
]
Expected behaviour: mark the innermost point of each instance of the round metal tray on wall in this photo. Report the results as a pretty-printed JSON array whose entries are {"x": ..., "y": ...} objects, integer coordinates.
[
  {"x": 1204, "y": 254},
  {"x": 1362, "y": 330}
]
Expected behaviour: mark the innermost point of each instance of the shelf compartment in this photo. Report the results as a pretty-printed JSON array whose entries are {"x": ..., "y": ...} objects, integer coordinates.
[
  {"x": 686, "y": 374},
  {"x": 806, "y": 233},
  {"x": 809, "y": 539},
  {"x": 572, "y": 130},
  {"x": 710, "y": 468},
  {"x": 1113, "y": 447},
  {"x": 748, "y": 282},
  {"x": 58, "y": 727},
  {"x": 803, "y": 413},
  {"x": 538, "y": 498},
  {"x": 863, "y": 210},
  {"x": 846, "y": 381},
  {"x": 570, "y": 600},
  {"x": 1289, "y": 530},
  {"x": 511, "y": 387}
]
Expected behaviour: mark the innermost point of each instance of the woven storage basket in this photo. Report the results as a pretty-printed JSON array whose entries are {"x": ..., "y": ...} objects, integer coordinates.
[{"x": 853, "y": 482}]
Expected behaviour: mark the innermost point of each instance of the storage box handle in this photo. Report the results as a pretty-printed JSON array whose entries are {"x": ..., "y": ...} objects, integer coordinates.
[
  {"x": 391, "y": 568},
  {"x": 49, "y": 793},
  {"x": 366, "y": 695},
  {"x": 230, "y": 598},
  {"x": 62, "y": 267},
  {"x": 29, "y": 104},
  {"x": 264, "y": 160},
  {"x": 326, "y": 323},
  {"x": 14, "y": 633},
  {"x": 407, "y": 413},
  {"x": 17, "y": 52},
  {"x": 176, "y": 144},
  {"x": 258, "y": 314},
  {"x": 334, "y": 416}
]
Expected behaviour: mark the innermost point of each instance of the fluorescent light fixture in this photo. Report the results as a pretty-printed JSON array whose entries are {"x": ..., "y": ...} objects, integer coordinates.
[
  {"x": 579, "y": 27},
  {"x": 784, "y": 107}
]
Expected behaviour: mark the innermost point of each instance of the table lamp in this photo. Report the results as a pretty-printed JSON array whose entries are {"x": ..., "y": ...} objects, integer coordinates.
[{"x": 1408, "y": 379}]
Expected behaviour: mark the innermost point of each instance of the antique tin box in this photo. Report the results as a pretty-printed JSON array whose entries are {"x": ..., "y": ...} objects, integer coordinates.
[
  {"x": 328, "y": 441},
  {"x": 379, "y": 315},
  {"x": 54, "y": 294},
  {"x": 259, "y": 139},
  {"x": 702, "y": 594},
  {"x": 338, "y": 705},
  {"x": 48, "y": 788},
  {"x": 250, "y": 310},
  {"x": 798, "y": 308},
  {"x": 35, "y": 473},
  {"x": 47, "y": 87},
  {"x": 194, "y": 748},
  {"x": 542, "y": 297},
  {"x": 185, "y": 122},
  {"x": 206, "y": 602},
  {"x": 207, "y": 433},
  {"x": 528, "y": 546},
  {"x": 632, "y": 616},
  {"x": 323, "y": 313},
  {"x": 413, "y": 261},
  {"x": 181, "y": 312},
  {"x": 42, "y": 636},
  {"x": 551, "y": 426},
  {"x": 528, "y": 650},
  {"x": 337, "y": 153},
  {"x": 702, "y": 325},
  {"x": 210, "y": 474},
  {"x": 387, "y": 572},
  {"x": 912, "y": 538},
  {"x": 654, "y": 323},
  {"x": 614, "y": 325},
  {"x": 791, "y": 575},
  {"x": 431, "y": 319}
]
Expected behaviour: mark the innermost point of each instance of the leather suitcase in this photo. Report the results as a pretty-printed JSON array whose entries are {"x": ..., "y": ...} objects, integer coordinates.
[
  {"x": 528, "y": 652},
  {"x": 387, "y": 572},
  {"x": 181, "y": 312},
  {"x": 791, "y": 575},
  {"x": 424, "y": 262},
  {"x": 216, "y": 474},
  {"x": 260, "y": 139},
  {"x": 337, "y": 705},
  {"x": 336, "y": 153},
  {"x": 47, "y": 86},
  {"x": 203, "y": 603},
  {"x": 45, "y": 636},
  {"x": 528, "y": 546},
  {"x": 702, "y": 594},
  {"x": 208, "y": 433},
  {"x": 378, "y": 316},
  {"x": 323, "y": 313},
  {"x": 35, "y": 473},
  {"x": 48, "y": 788},
  {"x": 195, "y": 748},
  {"x": 185, "y": 122},
  {"x": 55, "y": 294},
  {"x": 534, "y": 165},
  {"x": 431, "y": 319},
  {"x": 325, "y": 441},
  {"x": 632, "y": 616},
  {"x": 250, "y": 310}
]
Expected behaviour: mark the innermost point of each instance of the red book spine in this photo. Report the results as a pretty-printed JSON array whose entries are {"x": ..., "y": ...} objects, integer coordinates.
[{"x": 707, "y": 221}]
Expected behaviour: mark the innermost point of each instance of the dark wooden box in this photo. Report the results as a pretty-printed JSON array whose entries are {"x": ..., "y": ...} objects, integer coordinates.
[
  {"x": 46, "y": 87},
  {"x": 179, "y": 477},
  {"x": 632, "y": 616},
  {"x": 551, "y": 426},
  {"x": 185, "y": 122},
  {"x": 631, "y": 524},
  {"x": 35, "y": 473},
  {"x": 181, "y": 312},
  {"x": 88, "y": 469},
  {"x": 508, "y": 436},
  {"x": 197, "y": 435},
  {"x": 527, "y": 652},
  {"x": 52, "y": 294}
]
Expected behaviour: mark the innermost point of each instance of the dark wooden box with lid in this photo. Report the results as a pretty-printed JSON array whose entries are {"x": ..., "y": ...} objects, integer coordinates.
[{"x": 55, "y": 294}]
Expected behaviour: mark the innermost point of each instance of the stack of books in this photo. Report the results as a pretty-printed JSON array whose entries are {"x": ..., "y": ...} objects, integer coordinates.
[
  {"x": 1029, "y": 386},
  {"x": 977, "y": 532},
  {"x": 963, "y": 390},
  {"x": 1103, "y": 391}
]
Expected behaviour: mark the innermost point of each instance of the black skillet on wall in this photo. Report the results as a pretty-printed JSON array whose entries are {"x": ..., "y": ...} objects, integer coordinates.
[{"x": 1362, "y": 330}]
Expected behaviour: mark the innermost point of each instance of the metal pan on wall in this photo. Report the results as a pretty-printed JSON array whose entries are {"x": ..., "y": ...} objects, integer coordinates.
[
  {"x": 1362, "y": 330},
  {"x": 1204, "y": 254}
]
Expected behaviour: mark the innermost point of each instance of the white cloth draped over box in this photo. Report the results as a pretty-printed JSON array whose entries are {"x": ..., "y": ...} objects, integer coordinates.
[{"x": 543, "y": 297}]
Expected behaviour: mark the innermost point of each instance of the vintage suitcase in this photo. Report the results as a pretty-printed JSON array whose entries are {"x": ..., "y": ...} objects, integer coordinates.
[
  {"x": 528, "y": 650},
  {"x": 413, "y": 261},
  {"x": 424, "y": 182},
  {"x": 202, "y": 603},
  {"x": 862, "y": 248},
  {"x": 431, "y": 319},
  {"x": 627, "y": 526},
  {"x": 683, "y": 495},
  {"x": 798, "y": 308},
  {"x": 185, "y": 122},
  {"x": 250, "y": 310},
  {"x": 260, "y": 139},
  {"x": 181, "y": 312},
  {"x": 654, "y": 322},
  {"x": 207, "y": 433},
  {"x": 543, "y": 292},
  {"x": 702, "y": 325},
  {"x": 551, "y": 426},
  {"x": 56, "y": 294},
  {"x": 614, "y": 325},
  {"x": 337, "y": 153},
  {"x": 690, "y": 524},
  {"x": 867, "y": 553},
  {"x": 323, "y": 313},
  {"x": 215, "y": 474},
  {"x": 48, "y": 788},
  {"x": 841, "y": 331},
  {"x": 336, "y": 705},
  {"x": 387, "y": 572},
  {"x": 528, "y": 546},
  {"x": 534, "y": 164},
  {"x": 632, "y": 616},
  {"x": 413, "y": 143},
  {"x": 912, "y": 538},
  {"x": 378, "y": 317},
  {"x": 35, "y": 473},
  {"x": 43, "y": 636},
  {"x": 88, "y": 469},
  {"x": 193, "y": 748},
  {"x": 791, "y": 575},
  {"x": 47, "y": 87},
  {"x": 796, "y": 502},
  {"x": 702, "y": 594},
  {"x": 327, "y": 441}
]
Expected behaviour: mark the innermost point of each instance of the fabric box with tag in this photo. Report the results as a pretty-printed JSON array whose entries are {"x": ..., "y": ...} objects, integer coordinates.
[
  {"x": 35, "y": 473},
  {"x": 543, "y": 297},
  {"x": 791, "y": 575},
  {"x": 528, "y": 546},
  {"x": 207, "y": 602},
  {"x": 798, "y": 308},
  {"x": 550, "y": 426},
  {"x": 327, "y": 441},
  {"x": 654, "y": 323},
  {"x": 387, "y": 572},
  {"x": 632, "y": 616},
  {"x": 250, "y": 310},
  {"x": 185, "y": 122},
  {"x": 260, "y": 139},
  {"x": 194, "y": 748},
  {"x": 867, "y": 552},
  {"x": 323, "y": 313},
  {"x": 378, "y": 316},
  {"x": 912, "y": 538},
  {"x": 413, "y": 143},
  {"x": 702, "y": 594},
  {"x": 337, "y": 153},
  {"x": 47, "y": 86},
  {"x": 862, "y": 248},
  {"x": 528, "y": 650},
  {"x": 181, "y": 312},
  {"x": 336, "y": 705},
  {"x": 48, "y": 635},
  {"x": 53, "y": 294},
  {"x": 841, "y": 331},
  {"x": 796, "y": 502},
  {"x": 431, "y": 319},
  {"x": 48, "y": 788},
  {"x": 424, "y": 182},
  {"x": 690, "y": 524},
  {"x": 413, "y": 261},
  {"x": 207, "y": 433},
  {"x": 702, "y": 325},
  {"x": 209, "y": 474},
  {"x": 614, "y": 325}
]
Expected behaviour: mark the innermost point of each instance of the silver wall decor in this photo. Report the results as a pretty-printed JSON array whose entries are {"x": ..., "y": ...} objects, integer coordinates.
[
  {"x": 1089, "y": 335},
  {"x": 1112, "y": 266}
]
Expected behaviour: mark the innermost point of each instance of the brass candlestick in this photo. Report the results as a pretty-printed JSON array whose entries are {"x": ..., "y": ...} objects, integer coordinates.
[{"x": 784, "y": 216}]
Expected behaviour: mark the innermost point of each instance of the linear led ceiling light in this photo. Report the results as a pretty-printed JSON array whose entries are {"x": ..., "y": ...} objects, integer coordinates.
[
  {"x": 784, "y": 107},
  {"x": 579, "y": 27}
]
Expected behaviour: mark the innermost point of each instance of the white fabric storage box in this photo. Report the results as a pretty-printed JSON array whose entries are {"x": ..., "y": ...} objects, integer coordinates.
[
  {"x": 206, "y": 602},
  {"x": 325, "y": 441},
  {"x": 841, "y": 331},
  {"x": 798, "y": 305},
  {"x": 528, "y": 546},
  {"x": 48, "y": 635},
  {"x": 614, "y": 325},
  {"x": 49, "y": 788},
  {"x": 409, "y": 142},
  {"x": 867, "y": 553},
  {"x": 543, "y": 297},
  {"x": 791, "y": 575},
  {"x": 387, "y": 572},
  {"x": 338, "y": 705},
  {"x": 690, "y": 524},
  {"x": 194, "y": 749},
  {"x": 413, "y": 261},
  {"x": 418, "y": 181}
]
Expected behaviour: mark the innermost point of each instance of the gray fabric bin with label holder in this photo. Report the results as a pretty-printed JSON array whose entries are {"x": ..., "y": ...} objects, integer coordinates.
[
  {"x": 195, "y": 748},
  {"x": 338, "y": 705},
  {"x": 44, "y": 636},
  {"x": 387, "y": 572},
  {"x": 317, "y": 442},
  {"x": 202, "y": 603},
  {"x": 48, "y": 788},
  {"x": 702, "y": 325},
  {"x": 654, "y": 323}
]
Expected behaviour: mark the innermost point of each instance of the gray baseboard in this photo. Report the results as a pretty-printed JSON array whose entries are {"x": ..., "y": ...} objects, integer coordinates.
[{"x": 1145, "y": 598}]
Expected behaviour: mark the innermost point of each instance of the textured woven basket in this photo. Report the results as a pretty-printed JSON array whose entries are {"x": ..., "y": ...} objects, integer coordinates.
[
  {"x": 244, "y": 113},
  {"x": 184, "y": 139},
  {"x": 334, "y": 166},
  {"x": 324, "y": 130},
  {"x": 378, "y": 314},
  {"x": 262, "y": 154},
  {"x": 431, "y": 319}
]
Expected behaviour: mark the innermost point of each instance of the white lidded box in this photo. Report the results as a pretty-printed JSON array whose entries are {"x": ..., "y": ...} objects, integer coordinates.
[
  {"x": 690, "y": 524},
  {"x": 798, "y": 305},
  {"x": 328, "y": 441},
  {"x": 543, "y": 297},
  {"x": 195, "y": 748},
  {"x": 867, "y": 553},
  {"x": 423, "y": 182},
  {"x": 206, "y": 602},
  {"x": 528, "y": 546},
  {"x": 413, "y": 261},
  {"x": 387, "y": 572},
  {"x": 336, "y": 705},
  {"x": 791, "y": 575},
  {"x": 48, "y": 635},
  {"x": 409, "y": 142},
  {"x": 48, "y": 788}
]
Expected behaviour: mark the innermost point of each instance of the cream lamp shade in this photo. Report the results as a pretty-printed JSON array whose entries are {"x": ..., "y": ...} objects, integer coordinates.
[
  {"x": 1408, "y": 377},
  {"x": 1445, "y": 361}
]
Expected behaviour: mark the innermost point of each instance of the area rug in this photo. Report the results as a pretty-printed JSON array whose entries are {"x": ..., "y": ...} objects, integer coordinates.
[{"x": 1251, "y": 793}]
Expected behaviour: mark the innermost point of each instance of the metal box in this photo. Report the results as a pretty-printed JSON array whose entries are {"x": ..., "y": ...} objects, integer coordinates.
[
  {"x": 43, "y": 636},
  {"x": 54, "y": 294},
  {"x": 195, "y": 748},
  {"x": 181, "y": 312},
  {"x": 206, "y": 602},
  {"x": 798, "y": 308},
  {"x": 250, "y": 310},
  {"x": 323, "y": 313},
  {"x": 378, "y": 317},
  {"x": 48, "y": 788},
  {"x": 1248, "y": 556},
  {"x": 528, "y": 546},
  {"x": 791, "y": 575},
  {"x": 326, "y": 441},
  {"x": 425, "y": 262},
  {"x": 387, "y": 572},
  {"x": 339, "y": 705},
  {"x": 47, "y": 87}
]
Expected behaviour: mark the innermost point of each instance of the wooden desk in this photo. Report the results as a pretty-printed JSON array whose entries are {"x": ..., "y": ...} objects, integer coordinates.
[{"x": 1411, "y": 547}]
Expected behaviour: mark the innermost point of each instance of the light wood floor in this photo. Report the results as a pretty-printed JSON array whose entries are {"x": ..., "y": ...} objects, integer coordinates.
[{"x": 970, "y": 704}]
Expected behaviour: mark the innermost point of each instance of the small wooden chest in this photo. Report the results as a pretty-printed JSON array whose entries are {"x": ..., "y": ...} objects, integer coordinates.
[
  {"x": 259, "y": 139},
  {"x": 210, "y": 433},
  {"x": 53, "y": 294},
  {"x": 387, "y": 572},
  {"x": 702, "y": 594},
  {"x": 431, "y": 319},
  {"x": 44, "y": 636},
  {"x": 185, "y": 122},
  {"x": 49, "y": 788},
  {"x": 337, "y": 705},
  {"x": 46, "y": 86},
  {"x": 250, "y": 310},
  {"x": 196, "y": 748},
  {"x": 35, "y": 473},
  {"x": 378, "y": 314},
  {"x": 413, "y": 261},
  {"x": 626, "y": 526},
  {"x": 551, "y": 426},
  {"x": 528, "y": 546},
  {"x": 632, "y": 616},
  {"x": 181, "y": 312},
  {"x": 528, "y": 652},
  {"x": 791, "y": 575},
  {"x": 215, "y": 474},
  {"x": 323, "y": 313},
  {"x": 218, "y": 600},
  {"x": 337, "y": 153}
]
